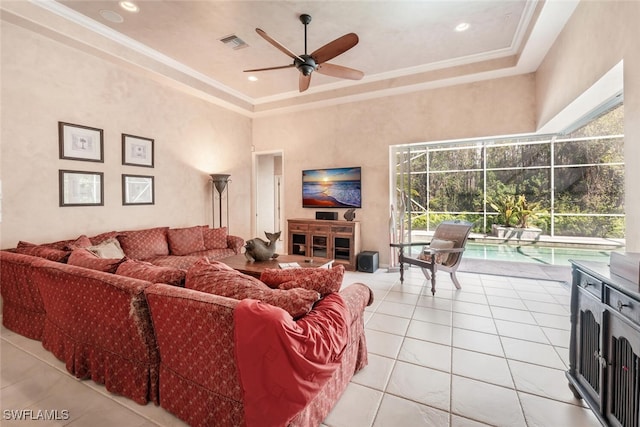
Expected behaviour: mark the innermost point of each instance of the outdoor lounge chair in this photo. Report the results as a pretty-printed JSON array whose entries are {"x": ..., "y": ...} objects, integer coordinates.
[{"x": 444, "y": 252}]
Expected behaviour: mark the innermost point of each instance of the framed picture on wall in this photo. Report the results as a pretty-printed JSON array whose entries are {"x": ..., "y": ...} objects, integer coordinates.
[
  {"x": 137, "y": 190},
  {"x": 137, "y": 151},
  {"x": 81, "y": 188},
  {"x": 77, "y": 142}
]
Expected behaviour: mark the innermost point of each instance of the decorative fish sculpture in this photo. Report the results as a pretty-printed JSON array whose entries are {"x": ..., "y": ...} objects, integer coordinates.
[{"x": 258, "y": 250}]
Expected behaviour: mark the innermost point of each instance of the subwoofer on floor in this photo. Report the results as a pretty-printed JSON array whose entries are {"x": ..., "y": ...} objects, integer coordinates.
[{"x": 368, "y": 261}]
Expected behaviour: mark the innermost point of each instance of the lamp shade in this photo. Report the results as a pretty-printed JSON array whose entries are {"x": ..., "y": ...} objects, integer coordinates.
[{"x": 220, "y": 181}]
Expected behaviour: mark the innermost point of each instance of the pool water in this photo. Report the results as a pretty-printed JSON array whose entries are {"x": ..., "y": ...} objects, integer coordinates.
[{"x": 534, "y": 253}]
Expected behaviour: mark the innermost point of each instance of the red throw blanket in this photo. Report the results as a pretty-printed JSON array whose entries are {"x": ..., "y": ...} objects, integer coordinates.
[{"x": 283, "y": 363}]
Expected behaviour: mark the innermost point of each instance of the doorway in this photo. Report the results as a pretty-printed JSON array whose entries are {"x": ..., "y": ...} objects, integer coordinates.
[{"x": 269, "y": 195}]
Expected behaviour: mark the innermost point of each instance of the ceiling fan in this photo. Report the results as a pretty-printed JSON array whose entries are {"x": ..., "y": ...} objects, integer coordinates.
[{"x": 317, "y": 60}]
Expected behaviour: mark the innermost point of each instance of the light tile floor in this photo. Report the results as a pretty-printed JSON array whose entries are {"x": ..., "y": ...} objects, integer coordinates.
[{"x": 493, "y": 353}]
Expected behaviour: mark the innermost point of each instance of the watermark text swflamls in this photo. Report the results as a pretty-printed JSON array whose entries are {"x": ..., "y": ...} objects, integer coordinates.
[{"x": 35, "y": 414}]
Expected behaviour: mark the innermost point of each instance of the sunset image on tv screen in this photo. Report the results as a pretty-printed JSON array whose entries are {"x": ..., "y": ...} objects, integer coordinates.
[{"x": 331, "y": 188}]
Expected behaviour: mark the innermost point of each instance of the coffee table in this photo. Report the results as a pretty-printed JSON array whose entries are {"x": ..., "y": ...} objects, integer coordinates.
[{"x": 255, "y": 268}]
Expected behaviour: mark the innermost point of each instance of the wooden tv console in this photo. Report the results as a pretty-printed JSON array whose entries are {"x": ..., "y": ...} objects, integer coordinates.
[{"x": 316, "y": 238}]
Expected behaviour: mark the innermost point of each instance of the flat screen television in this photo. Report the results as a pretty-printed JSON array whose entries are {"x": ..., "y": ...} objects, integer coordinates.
[{"x": 332, "y": 188}]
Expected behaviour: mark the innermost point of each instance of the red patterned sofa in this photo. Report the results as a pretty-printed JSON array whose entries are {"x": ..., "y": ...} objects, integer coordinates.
[
  {"x": 179, "y": 247},
  {"x": 207, "y": 358},
  {"x": 99, "y": 325},
  {"x": 225, "y": 362},
  {"x": 22, "y": 306}
]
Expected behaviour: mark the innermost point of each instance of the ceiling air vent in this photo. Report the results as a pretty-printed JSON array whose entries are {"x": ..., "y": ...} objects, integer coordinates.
[{"x": 234, "y": 42}]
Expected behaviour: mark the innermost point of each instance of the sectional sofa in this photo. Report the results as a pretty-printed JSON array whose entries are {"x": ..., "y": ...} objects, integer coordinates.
[
  {"x": 22, "y": 306},
  {"x": 223, "y": 350}
]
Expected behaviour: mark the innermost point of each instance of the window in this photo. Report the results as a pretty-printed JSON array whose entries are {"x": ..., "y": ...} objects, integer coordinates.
[{"x": 576, "y": 180}]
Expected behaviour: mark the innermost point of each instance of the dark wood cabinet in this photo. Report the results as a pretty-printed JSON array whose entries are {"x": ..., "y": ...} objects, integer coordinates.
[
  {"x": 337, "y": 240},
  {"x": 604, "y": 352}
]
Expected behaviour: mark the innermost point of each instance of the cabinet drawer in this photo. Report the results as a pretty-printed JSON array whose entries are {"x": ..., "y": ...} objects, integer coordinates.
[
  {"x": 623, "y": 304},
  {"x": 590, "y": 284},
  {"x": 319, "y": 229},
  {"x": 342, "y": 229},
  {"x": 298, "y": 227}
]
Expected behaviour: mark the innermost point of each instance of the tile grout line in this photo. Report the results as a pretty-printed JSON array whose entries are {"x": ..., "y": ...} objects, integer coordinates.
[{"x": 94, "y": 387}]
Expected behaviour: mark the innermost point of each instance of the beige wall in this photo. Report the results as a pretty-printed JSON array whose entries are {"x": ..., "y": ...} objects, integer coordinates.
[
  {"x": 44, "y": 82},
  {"x": 360, "y": 134},
  {"x": 599, "y": 35}
]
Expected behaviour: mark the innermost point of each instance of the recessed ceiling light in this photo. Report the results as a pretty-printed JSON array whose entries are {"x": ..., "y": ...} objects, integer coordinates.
[
  {"x": 129, "y": 6},
  {"x": 463, "y": 26},
  {"x": 111, "y": 16},
  {"x": 252, "y": 78}
]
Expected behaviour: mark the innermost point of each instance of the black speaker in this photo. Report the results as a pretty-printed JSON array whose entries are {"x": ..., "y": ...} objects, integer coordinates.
[
  {"x": 368, "y": 261},
  {"x": 333, "y": 216}
]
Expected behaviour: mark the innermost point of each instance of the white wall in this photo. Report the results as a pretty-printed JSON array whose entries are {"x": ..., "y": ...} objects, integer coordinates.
[{"x": 44, "y": 82}]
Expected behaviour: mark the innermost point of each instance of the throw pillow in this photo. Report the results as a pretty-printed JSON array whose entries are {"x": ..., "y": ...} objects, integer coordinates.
[
  {"x": 41, "y": 251},
  {"x": 215, "y": 238},
  {"x": 110, "y": 248},
  {"x": 87, "y": 259},
  {"x": 441, "y": 258},
  {"x": 143, "y": 244},
  {"x": 81, "y": 242},
  {"x": 62, "y": 245},
  {"x": 96, "y": 240},
  {"x": 215, "y": 279},
  {"x": 152, "y": 273},
  {"x": 185, "y": 241},
  {"x": 213, "y": 265},
  {"x": 323, "y": 280}
]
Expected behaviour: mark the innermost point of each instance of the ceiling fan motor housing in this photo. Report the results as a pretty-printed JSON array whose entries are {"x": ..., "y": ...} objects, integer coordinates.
[{"x": 308, "y": 66}]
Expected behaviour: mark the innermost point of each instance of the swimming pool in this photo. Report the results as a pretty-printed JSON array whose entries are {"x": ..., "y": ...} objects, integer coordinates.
[{"x": 534, "y": 253}]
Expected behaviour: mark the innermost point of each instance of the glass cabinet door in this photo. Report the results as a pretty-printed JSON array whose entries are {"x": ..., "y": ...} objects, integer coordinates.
[
  {"x": 298, "y": 244},
  {"x": 342, "y": 248},
  {"x": 319, "y": 246}
]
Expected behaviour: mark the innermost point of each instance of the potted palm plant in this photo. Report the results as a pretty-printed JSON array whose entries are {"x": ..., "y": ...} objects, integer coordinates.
[
  {"x": 516, "y": 216},
  {"x": 506, "y": 208},
  {"x": 527, "y": 212}
]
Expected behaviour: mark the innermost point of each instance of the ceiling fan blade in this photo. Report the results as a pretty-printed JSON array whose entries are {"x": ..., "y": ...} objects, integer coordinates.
[
  {"x": 340, "y": 71},
  {"x": 304, "y": 81},
  {"x": 270, "y": 68},
  {"x": 277, "y": 45},
  {"x": 335, "y": 48}
]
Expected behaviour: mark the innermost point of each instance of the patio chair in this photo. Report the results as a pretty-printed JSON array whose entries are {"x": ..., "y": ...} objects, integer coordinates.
[{"x": 444, "y": 252}]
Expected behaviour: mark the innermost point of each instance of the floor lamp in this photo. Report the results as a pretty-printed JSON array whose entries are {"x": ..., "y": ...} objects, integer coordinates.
[{"x": 219, "y": 181}]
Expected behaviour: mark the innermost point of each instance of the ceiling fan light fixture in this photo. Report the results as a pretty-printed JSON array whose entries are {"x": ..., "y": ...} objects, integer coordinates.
[
  {"x": 252, "y": 78},
  {"x": 306, "y": 69},
  {"x": 306, "y": 64}
]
